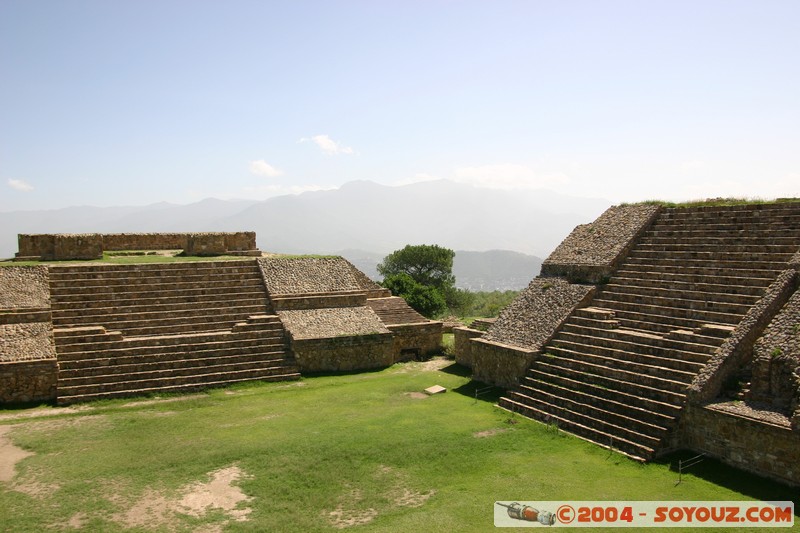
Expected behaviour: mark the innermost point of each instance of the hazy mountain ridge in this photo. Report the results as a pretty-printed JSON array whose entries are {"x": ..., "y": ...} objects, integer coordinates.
[
  {"x": 477, "y": 271},
  {"x": 360, "y": 215}
]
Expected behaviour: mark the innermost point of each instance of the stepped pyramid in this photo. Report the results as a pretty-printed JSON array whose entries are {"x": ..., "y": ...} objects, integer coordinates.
[
  {"x": 134, "y": 329},
  {"x": 658, "y": 305}
]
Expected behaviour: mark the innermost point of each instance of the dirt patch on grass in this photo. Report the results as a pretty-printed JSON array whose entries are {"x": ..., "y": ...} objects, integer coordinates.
[
  {"x": 157, "y": 400},
  {"x": 218, "y": 493},
  {"x": 351, "y": 509},
  {"x": 416, "y": 395},
  {"x": 436, "y": 363},
  {"x": 10, "y": 455},
  {"x": 347, "y": 514},
  {"x": 398, "y": 490},
  {"x": 489, "y": 432},
  {"x": 156, "y": 510},
  {"x": 42, "y": 412}
]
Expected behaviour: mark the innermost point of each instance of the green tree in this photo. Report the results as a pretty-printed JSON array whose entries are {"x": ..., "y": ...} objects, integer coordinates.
[
  {"x": 424, "y": 299},
  {"x": 427, "y": 264},
  {"x": 423, "y": 275}
]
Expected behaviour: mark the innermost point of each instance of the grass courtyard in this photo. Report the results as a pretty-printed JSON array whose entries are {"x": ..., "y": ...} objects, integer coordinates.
[{"x": 356, "y": 452}]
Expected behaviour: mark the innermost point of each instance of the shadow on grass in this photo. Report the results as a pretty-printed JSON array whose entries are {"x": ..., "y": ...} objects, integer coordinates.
[
  {"x": 719, "y": 473},
  {"x": 480, "y": 391},
  {"x": 457, "y": 370}
]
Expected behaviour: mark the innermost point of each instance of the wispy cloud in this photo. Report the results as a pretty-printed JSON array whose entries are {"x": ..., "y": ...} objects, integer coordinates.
[
  {"x": 262, "y": 168},
  {"x": 328, "y": 145},
  {"x": 20, "y": 185},
  {"x": 509, "y": 176}
]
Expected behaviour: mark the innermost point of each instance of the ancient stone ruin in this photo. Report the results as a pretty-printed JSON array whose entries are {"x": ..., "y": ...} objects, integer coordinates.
[
  {"x": 85, "y": 331},
  {"x": 653, "y": 329},
  {"x": 86, "y": 246}
]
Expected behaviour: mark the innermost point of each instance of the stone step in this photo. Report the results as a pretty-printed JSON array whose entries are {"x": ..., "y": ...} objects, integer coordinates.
[
  {"x": 664, "y": 287},
  {"x": 643, "y": 352},
  {"x": 707, "y": 232},
  {"x": 692, "y": 350},
  {"x": 207, "y": 382},
  {"x": 776, "y": 209},
  {"x": 702, "y": 266},
  {"x": 146, "y": 314},
  {"x": 719, "y": 247},
  {"x": 719, "y": 240},
  {"x": 658, "y": 324},
  {"x": 729, "y": 220},
  {"x": 671, "y": 292},
  {"x": 197, "y": 296},
  {"x": 665, "y": 412},
  {"x": 709, "y": 303},
  {"x": 245, "y": 265},
  {"x": 594, "y": 375},
  {"x": 123, "y": 354},
  {"x": 73, "y": 342},
  {"x": 194, "y": 325},
  {"x": 633, "y": 309},
  {"x": 146, "y": 286},
  {"x": 761, "y": 279},
  {"x": 622, "y": 365},
  {"x": 637, "y": 420},
  {"x": 171, "y": 378},
  {"x": 155, "y": 369},
  {"x": 587, "y": 429},
  {"x": 709, "y": 256}
]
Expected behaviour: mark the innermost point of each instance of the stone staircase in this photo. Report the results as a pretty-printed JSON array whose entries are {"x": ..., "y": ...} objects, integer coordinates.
[
  {"x": 617, "y": 371},
  {"x": 394, "y": 310},
  {"x": 130, "y": 330}
]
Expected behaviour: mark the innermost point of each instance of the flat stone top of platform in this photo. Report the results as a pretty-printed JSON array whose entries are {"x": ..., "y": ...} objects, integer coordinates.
[
  {"x": 306, "y": 275},
  {"x": 332, "y": 322}
]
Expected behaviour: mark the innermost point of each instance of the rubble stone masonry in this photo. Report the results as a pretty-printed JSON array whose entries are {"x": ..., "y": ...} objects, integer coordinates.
[{"x": 592, "y": 251}]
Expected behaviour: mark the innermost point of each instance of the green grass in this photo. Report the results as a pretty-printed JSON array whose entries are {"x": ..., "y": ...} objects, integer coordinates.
[
  {"x": 356, "y": 444},
  {"x": 716, "y": 202}
]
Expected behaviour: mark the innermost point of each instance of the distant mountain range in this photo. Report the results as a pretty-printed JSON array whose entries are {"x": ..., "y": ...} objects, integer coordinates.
[
  {"x": 360, "y": 218},
  {"x": 491, "y": 270}
]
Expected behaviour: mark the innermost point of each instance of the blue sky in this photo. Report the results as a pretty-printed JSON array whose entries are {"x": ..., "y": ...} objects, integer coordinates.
[{"x": 131, "y": 102}]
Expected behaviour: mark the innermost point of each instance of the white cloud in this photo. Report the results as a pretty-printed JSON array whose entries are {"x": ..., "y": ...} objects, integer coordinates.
[
  {"x": 509, "y": 176},
  {"x": 328, "y": 145},
  {"x": 262, "y": 168},
  {"x": 19, "y": 185}
]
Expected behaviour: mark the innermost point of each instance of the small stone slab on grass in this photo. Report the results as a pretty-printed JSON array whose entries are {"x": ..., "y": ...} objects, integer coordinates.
[{"x": 436, "y": 389}]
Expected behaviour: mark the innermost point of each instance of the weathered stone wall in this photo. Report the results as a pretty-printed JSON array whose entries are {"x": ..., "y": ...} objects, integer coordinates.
[
  {"x": 144, "y": 241},
  {"x": 765, "y": 449},
  {"x": 331, "y": 322},
  {"x": 28, "y": 367},
  {"x": 592, "y": 251},
  {"x": 53, "y": 247},
  {"x": 534, "y": 316},
  {"x": 26, "y": 341},
  {"x": 463, "y": 347},
  {"x": 307, "y": 301},
  {"x": 343, "y": 354},
  {"x": 28, "y": 381},
  {"x": 738, "y": 348},
  {"x": 415, "y": 340},
  {"x": 298, "y": 275},
  {"x": 500, "y": 364},
  {"x": 24, "y": 287},
  {"x": 776, "y": 360},
  {"x": 56, "y": 247}
]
